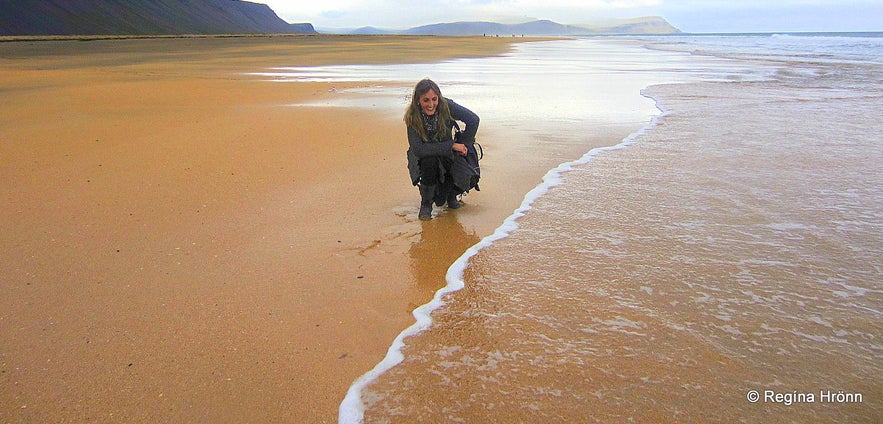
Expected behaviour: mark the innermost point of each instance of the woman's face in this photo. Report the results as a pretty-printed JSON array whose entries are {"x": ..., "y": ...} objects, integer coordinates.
[{"x": 428, "y": 102}]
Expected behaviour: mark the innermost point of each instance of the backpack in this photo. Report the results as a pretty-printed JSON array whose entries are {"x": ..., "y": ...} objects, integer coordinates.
[{"x": 474, "y": 153}]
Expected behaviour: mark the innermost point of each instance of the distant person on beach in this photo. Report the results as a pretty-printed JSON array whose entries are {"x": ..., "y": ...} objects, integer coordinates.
[{"x": 436, "y": 161}]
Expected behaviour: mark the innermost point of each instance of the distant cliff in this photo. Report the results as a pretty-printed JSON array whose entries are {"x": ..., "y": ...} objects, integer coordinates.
[
  {"x": 142, "y": 17},
  {"x": 645, "y": 25}
]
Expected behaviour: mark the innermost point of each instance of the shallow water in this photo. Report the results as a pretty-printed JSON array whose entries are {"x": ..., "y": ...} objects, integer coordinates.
[
  {"x": 541, "y": 88},
  {"x": 733, "y": 246}
]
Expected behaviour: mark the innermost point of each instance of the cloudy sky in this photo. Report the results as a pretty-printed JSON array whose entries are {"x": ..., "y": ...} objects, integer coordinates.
[{"x": 686, "y": 15}]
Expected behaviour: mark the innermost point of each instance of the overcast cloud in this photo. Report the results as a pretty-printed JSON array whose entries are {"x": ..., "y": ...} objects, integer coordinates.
[{"x": 686, "y": 15}]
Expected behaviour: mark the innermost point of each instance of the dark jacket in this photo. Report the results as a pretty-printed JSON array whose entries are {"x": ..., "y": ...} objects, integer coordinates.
[{"x": 463, "y": 172}]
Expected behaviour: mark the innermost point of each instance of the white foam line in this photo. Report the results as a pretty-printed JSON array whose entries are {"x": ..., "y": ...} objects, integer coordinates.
[{"x": 352, "y": 409}]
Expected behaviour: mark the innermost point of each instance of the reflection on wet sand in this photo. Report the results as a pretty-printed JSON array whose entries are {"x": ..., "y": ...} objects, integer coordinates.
[{"x": 442, "y": 241}]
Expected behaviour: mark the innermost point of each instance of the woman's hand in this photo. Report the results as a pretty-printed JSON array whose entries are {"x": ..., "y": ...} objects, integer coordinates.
[{"x": 460, "y": 149}]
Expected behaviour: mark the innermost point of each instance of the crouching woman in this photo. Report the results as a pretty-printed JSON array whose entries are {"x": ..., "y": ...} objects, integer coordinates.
[{"x": 432, "y": 149}]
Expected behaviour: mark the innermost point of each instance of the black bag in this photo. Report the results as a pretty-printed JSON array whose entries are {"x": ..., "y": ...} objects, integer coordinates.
[{"x": 468, "y": 164}]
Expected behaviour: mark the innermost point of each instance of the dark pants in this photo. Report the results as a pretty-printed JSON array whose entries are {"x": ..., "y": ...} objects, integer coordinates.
[
  {"x": 436, "y": 171},
  {"x": 431, "y": 168}
]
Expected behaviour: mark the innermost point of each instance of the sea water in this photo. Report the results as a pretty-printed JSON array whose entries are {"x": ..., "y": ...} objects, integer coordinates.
[{"x": 722, "y": 264}]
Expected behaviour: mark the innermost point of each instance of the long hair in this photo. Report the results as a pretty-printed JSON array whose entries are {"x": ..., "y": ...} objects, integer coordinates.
[{"x": 414, "y": 118}]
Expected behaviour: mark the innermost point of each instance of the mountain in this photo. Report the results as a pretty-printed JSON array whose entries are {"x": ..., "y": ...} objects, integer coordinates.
[
  {"x": 142, "y": 17},
  {"x": 646, "y": 25},
  {"x": 492, "y": 28},
  {"x": 369, "y": 30}
]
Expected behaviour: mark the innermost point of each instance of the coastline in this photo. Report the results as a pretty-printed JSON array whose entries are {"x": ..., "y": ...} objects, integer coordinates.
[
  {"x": 182, "y": 245},
  {"x": 167, "y": 254},
  {"x": 527, "y": 306},
  {"x": 352, "y": 408}
]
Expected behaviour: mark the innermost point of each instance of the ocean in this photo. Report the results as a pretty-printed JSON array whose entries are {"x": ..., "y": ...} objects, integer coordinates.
[{"x": 722, "y": 263}]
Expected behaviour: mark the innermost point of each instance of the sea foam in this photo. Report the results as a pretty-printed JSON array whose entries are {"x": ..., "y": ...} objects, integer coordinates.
[{"x": 352, "y": 408}]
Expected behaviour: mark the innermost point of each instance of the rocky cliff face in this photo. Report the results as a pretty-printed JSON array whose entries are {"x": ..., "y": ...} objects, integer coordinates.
[{"x": 141, "y": 17}]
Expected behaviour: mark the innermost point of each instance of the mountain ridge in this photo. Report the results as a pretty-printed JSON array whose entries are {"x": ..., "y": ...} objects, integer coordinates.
[
  {"x": 207, "y": 17},
  {"x": 142, "y": 17},
  {"x": 642, "y": 25}
]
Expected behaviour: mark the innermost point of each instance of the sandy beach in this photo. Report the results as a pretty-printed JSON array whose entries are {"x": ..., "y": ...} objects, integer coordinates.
[
  {"x": 216, "y": 230},
  {"x": 180, "y": 245}
]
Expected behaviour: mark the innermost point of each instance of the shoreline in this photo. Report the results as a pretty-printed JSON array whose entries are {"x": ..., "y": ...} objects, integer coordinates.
[
  {"x": 162, "y": 238},
  {"x": 352, "y": 409},
  {"x": 522, "y": 310},
  {"x": 181, "y": 245}
]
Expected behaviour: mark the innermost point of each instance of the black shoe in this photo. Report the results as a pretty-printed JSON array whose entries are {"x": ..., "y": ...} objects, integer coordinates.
[
  {"x": 426, "y": 194},
  {"x": 425, "y": 213},
  {"x": 453, "y": 203}
]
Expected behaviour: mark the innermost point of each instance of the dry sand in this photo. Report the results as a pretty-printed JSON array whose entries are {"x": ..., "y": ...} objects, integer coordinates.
[{"x": 177, "y": 245}]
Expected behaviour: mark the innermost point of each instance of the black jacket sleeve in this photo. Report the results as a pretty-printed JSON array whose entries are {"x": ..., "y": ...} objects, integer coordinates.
[
  {"x": 466, "y": 116},
  {"x": 422, "y": 149}
]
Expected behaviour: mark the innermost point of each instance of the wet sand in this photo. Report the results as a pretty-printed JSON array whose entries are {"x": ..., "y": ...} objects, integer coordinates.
[
  {"x": 177, "y": 245},
  {"x": 672, "y": 280}
]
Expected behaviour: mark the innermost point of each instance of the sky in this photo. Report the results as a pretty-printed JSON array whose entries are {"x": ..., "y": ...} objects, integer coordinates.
[{"x": 687, "y": 15}]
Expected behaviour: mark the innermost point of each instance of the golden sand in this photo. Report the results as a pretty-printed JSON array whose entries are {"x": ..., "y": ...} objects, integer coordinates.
[{"x": 179, "y": 246}]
